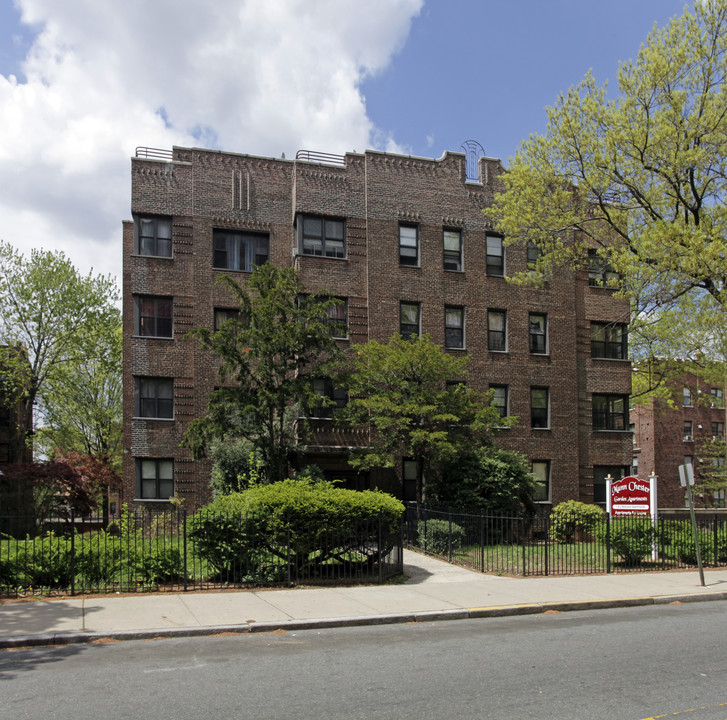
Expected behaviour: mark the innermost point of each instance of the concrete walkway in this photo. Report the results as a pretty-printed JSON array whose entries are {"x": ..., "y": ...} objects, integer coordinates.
[{"x": 434, "y": 590}]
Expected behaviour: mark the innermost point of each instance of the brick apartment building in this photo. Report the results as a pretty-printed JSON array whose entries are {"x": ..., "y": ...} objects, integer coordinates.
[
  {"x": 667, "y": 437},
  {"x": 404, "y": 242}
]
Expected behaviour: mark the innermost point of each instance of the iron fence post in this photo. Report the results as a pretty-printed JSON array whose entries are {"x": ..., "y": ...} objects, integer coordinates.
[
  {"x": 482, "y": 541},
  {"x": 449, "y": 537},
  {"x": 184, "y": 545},
  {"x": 381, "y": 559},
  {"x": 287, "y": 552},
  {"x": 73, "y": 552},
  {"x": 662, "y": 547},
  {"x": 522, "y": 543},
  {"x": 608, "y": 544},
  {"x": 547, "y": 545}
]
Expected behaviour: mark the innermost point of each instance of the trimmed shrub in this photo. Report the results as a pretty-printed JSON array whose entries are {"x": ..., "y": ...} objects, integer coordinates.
[
  {"x": 43, "y": 562},
  {"x": 679, "y": 538},
  {"x": 631, "y": 537},
  {"x": 299, "y": 522},
  {"x": 570, "y": 517},
  {"x": 434, "y": 536}
]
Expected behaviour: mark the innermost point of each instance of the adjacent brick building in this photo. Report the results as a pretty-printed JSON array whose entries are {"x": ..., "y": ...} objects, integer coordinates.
[
  {"x": 666, "y": 437},
  {"x": 404, "y": 242}
]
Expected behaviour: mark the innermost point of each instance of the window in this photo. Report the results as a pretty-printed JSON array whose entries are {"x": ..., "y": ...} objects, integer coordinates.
[
  {"x": 154, "y": 397},
  {"x": 239, "y": 250},
  {"x": 718, "y": 498},
  {"x": 153, "y": 236},
  {"x": 600, "y": 272},
  {"x": 453, "y": 250},
  {"x": 610, "y": 412},
  {"x": 222, "y": 315},
  {"x": 409, "y": 319},
  {"x": 686, "y": 397},
  {"x": 454, "y": 327},
  {"x": 409, "y": 245},
  {"x": 538, "y": 334},
  {"x": 153, "y": 316},
  {"x": 718, "y": 463},
  {"x": 533, "y": 256},
  {"x": 500, "y": 399},
  {"x": 337, "y": 319},
  {"x": 609, "y": 341},
  {"x": 541, "y": 470},
  {"x": 409, "y": 473},
  {"x": 634, "y": 465},
  {"x": 324, "y": 237},
  {"x": 718, "y": 430},
  {"x": 717, "y": 398},
  {"x": 155, "y": 479},
  {"x": 497, "y": 330},
  {"x": 495, "y": 256},
  {"x": 336, "y": 398},
  {"x": 600, "y": 474},
  {"x": 688, "y": 436},
  {"x": 539, "y": 408}
]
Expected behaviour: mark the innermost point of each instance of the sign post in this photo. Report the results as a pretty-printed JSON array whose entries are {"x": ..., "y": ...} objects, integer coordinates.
[{"x": 686, "y": 478}]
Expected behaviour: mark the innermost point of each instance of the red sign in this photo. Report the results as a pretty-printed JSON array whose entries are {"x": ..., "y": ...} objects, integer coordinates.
[{"x": 631, "y": 496}]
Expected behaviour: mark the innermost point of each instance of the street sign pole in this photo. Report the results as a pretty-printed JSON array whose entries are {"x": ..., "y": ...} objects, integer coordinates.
[{"x": 686, "y": 477}]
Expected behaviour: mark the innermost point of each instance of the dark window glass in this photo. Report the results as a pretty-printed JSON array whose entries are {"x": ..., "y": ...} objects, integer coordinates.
[
  {"x": 452, "y": 249},
  {"x": 600, "y": 272},
  {"x": 155, "y": 397},
  {"x": 321, "y": 236},
  {"x": 409, "y": 320},
  {"x": 408, "y": 245},
  {"x": 495, "y": 255},
  {"x": 497, "y": 330},
  {"x": 155, "y": 479},
  {"x": 610, "y": 412},
  {"x": 541, "y": 470},
  {"x": 609, "y": 341},
  {"x": 718, "y": 430},
  {"x": 153, "y": 316},
  {"x": 538, "y": 333},
  {"x": 154, "y": 236},
  {"x": 533, "y": 256},
  {"x": 600, "y": 475},
  {"x": 239, "y": 250},
  {"x": 454, "y": 327},
  {"x": 222, "y": 315},
  {"x": 539, "y": 408},
  {"x": 336, "y": 398},
  {"x": 500, "y": 399}
]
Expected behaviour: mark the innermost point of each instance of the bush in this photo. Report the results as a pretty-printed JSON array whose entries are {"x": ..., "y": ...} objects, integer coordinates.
[
  {"x": 43, "y": 562},
  {"x": 570, "y": 517},
  {"x": 301, "y": 522},
  {"x": 631, "y": 537},
  {"x": 679, "y": 537},
  {"x": 434, "y": 536}
]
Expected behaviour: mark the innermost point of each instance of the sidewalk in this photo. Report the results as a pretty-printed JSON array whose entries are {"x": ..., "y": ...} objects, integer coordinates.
[{"x": 434, "y": 590}]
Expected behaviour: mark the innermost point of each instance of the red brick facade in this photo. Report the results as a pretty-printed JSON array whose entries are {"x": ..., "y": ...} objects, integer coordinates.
[
  {"x": 665, "y": 437},
  {"x": 374, "y": 194}
]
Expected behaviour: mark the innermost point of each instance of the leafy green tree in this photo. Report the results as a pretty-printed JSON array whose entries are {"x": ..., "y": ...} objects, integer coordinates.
[
  {"x": 269, "y": 353},
  {"x": 489, "y": 478},
  {"x": 640, "y": 177},
  {"x": 46, "y": 308},
  {"x": 404, "y": 391},
  {"x": 81, "y": 405}
]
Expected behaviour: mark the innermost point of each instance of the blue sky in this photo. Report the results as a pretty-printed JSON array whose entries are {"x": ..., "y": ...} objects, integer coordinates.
[{"x": 82, "y": 82}]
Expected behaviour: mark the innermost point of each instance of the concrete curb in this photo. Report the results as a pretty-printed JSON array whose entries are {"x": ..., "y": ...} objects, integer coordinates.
[{"x": 47, "y": 639}]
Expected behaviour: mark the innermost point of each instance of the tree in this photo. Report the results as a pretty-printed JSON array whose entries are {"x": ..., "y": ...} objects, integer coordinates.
[
  {"x": 640, "y": 178},
  {"x": 81, "y": 404},
  {"x": 404, "y": 391},
  {"x": 46, "y": 306},
  {"x": 489, "y": 478},
  {"x": 269, "y": 353}
]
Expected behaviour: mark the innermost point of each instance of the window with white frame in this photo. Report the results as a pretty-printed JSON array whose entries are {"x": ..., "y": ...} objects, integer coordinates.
[
  {"x": 538, "y": 333},
  {"x": 153, "y": 316},
  {"x": 717, "y": 430},
  {"x": 409, "y": 245},
  {"x": 717, "y": 397},
  {"x": 497, "y": 330},
  {"x": 154, "y": 397},
  {"x": 500, "y": 399},
  {"x": 154, "y": 478},
  {"x": 686, "y": 397},
  {"x": 153, "y": 236},
  {"x": 541, "y": 471},
  {"x": 409, "y": 319},
  {"x": 452, "y": 250},
  {"x": 539, "y": 408},
  {"x": 454, "y": 327},
  {"x": 688, "y": 431},
  {"x": 495, "y": 255},
  {"x": 533, "y": 255},
  {"x": 238, "y": 250}
]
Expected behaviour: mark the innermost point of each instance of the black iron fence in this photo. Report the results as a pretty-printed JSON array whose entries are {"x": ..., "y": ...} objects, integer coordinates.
[
  {"x": 535, "y": 545},
  {"x": 168, "y": 550}
]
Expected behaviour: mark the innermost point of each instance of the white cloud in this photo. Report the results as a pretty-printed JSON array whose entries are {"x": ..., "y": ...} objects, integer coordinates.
[{"x": 255, "y": 76}]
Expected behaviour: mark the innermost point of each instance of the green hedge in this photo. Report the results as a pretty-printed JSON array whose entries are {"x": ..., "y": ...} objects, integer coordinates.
[{"x": 570, "y": 517}]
